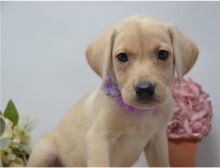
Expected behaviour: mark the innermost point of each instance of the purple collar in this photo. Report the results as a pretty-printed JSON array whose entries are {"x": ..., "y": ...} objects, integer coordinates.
[{"x": 111, "y": 89}]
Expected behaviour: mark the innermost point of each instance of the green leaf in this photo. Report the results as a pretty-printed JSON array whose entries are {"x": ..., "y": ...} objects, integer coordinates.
[
  {"x": 2, "y": 126},
  {"x": 0, "y": 112},
  {"x": 11, "y": 113}
]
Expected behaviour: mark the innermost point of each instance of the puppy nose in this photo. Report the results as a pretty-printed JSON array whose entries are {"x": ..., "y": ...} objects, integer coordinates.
[{"x": 145, "y": 91}]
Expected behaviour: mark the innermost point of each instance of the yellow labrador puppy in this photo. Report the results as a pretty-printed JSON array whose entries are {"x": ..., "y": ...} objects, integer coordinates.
[{"x": 129, "y": 111}]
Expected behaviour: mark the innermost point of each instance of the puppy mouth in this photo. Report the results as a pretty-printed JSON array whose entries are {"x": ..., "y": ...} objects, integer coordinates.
[
  {"x": 149, "y": 101},
  {"x": 142, "y": 104},
  {"x": 146, "y": 101}
]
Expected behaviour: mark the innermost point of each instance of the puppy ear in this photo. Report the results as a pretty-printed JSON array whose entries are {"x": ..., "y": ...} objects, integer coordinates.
[
  {"x": 99, "y": 53},
  {"x": 185, "y": 51}
]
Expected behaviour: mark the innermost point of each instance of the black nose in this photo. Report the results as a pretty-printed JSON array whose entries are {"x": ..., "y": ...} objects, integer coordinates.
[{"x": 144, "y": 91}]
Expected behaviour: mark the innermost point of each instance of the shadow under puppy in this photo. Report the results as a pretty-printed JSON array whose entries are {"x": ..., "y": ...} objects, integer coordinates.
[{"x": 130, "y": 110}]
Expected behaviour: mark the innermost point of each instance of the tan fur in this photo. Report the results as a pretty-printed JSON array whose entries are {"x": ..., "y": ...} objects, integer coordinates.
[
  {"x": 185, "y": 51},
  {"x": 96, "y": 132}
]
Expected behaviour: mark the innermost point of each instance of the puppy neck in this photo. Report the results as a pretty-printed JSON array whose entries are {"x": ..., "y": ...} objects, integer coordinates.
[{"x": 111, "y": 89}]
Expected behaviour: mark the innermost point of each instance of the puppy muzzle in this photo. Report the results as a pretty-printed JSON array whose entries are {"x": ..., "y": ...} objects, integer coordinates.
[{"x": 111, "y": 89}]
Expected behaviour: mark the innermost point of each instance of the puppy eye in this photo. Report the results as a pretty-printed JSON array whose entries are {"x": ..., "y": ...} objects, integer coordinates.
[
  {"x": 122, "y": 57},
  {"x": 163, "y": 54}
]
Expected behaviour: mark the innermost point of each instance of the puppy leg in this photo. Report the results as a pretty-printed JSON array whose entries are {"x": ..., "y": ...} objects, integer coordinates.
[
  {"x": 44, "y": 153},
  {"x": 157, "y": 150},
  {"x": 97, "y": 149}
]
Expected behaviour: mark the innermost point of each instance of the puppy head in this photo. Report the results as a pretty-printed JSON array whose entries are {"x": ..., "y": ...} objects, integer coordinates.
[{"x": 142, "y": 54}]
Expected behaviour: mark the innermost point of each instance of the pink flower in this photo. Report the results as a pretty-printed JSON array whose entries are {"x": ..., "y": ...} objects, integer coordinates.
[{"x": 192, "y": 112}]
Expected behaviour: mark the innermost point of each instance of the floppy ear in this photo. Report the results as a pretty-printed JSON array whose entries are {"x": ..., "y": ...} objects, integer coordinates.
[
  {"x": 99, "y": 53},
  {"x": 185, "y": 51}
]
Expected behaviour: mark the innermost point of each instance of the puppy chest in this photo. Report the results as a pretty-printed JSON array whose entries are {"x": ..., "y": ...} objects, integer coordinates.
[{"x": 127, "y": 148}]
